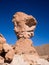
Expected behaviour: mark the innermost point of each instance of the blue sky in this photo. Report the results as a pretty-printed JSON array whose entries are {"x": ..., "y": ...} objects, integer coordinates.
[{"x": 38, "y": 8}]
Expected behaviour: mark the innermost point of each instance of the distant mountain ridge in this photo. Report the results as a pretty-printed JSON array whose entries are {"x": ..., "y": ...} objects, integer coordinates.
[{"x": 43, "y": 49}]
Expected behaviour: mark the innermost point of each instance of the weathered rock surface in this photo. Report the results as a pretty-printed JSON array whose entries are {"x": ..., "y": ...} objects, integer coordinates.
[
  {"x": 28, "y": 60},
  {"x": 9, "y": 52},
  {"x": 24, "y": 25},
  {"x": 24, "y": 46},
  {"x": 6, "y": 51},
  {"x": 7, "y": 47},
  {"x": 9, "y": 56}
]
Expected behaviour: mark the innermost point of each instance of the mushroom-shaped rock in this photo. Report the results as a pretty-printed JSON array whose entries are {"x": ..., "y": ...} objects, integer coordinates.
[{"x": 24, "y": 25}]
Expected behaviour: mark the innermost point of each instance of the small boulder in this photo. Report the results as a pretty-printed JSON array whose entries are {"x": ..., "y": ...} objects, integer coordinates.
[
  {"x": 1, "y": 60},
  {"x": 7, "y": 47},
  {"x": 9, "y": 55}
]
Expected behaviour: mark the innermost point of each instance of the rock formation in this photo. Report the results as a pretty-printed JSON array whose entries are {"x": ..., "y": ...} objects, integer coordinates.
[
  {"x": 6, "y": 51},
  {"x": 24, "y": 26},
  {"x": 26, "y": 54},
  {"x": 23, "y": 52}
]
